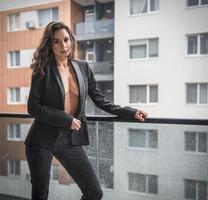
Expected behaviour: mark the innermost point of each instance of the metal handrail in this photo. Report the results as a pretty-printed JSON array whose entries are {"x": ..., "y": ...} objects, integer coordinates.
[{"x": 119, "y": 119}]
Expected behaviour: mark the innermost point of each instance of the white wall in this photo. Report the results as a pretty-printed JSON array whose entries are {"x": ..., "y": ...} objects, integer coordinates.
[
  {"x": 26, "y": 56},
  {"x": 28, "y": 16},
  {"x": 170, "y": 162},
  {"x": 173, "y": 68}
]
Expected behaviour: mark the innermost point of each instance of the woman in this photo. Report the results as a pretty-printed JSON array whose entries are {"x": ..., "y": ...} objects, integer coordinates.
[{"x": 57, "y": 97}]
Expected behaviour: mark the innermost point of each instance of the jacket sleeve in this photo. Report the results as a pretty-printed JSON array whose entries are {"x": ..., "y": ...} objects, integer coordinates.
[
  {"x": 100, "y": 100},
  {"x": 49, "y": 115}
]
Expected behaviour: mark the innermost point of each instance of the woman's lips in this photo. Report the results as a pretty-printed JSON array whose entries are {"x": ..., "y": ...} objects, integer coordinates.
[{"x": 64, "y": 51}]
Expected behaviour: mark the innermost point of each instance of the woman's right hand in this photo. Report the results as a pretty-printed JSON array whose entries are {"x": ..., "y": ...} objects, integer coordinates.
[{"x": 76, "y": 124}]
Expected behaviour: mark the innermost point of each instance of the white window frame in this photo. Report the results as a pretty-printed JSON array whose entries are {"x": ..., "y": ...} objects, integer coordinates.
[
  {"x": 23, "y": 99},
  {"x": 198, "y": 45},
  {"x": 148, "y": 9},
  {"x": 146, "y": 186},
  {"x": 90, "y": 51},
  {"x": 196, "y": 6},
  {"x": 197, "y": 143},
  {"x": 198, "y": 95},
  {"x": 24, "y": 53},
  {"x": 51, "y": 15},
  {"x": 12, "y": 17},
  {"x": 9, "y": 92},
  {"x": 147, "y": 94},
  {"x": 13, "y": 128},
  {"x": 9, "y": 53},
  {"x": 137, "y": 42},
  {"x": 9, "y": 162},
  {"x": 196, "y": 188},
  {"x": 90, "y": 12},
  {"x": 34, "y": 21},
  {"x": 146, "y": 148}
]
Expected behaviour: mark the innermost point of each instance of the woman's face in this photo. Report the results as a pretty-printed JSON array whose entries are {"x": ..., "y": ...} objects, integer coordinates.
[{"x": 61, "y": 44}]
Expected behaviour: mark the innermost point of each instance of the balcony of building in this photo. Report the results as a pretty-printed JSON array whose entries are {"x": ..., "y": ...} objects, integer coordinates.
[
  {"x": 100, "y": 56},
  {"x": 107, "y": 89},
  {"x": 155, "y": 159},
  {"x": 103, "y": 71},
  {"x": 91, "y": 2},
  {"x": 95, "y": 21},
  {"x": 95, "y": 30}
]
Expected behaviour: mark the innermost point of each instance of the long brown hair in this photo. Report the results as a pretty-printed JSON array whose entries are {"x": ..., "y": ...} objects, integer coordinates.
[{"x": 44, "y": 54}]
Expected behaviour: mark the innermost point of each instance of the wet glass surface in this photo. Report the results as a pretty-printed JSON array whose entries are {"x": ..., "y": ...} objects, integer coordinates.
[{"x": 131, "y": 160}]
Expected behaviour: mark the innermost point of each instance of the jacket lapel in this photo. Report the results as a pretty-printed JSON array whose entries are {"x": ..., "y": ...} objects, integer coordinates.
[
  {"x": 60, "y": 82},
  {"x": 81, "y": 85}
]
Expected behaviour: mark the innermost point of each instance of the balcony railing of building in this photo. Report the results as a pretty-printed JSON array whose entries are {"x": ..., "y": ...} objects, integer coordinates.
[
  {"x": 156, "y": 159},
  {"x": 105, "y": 67},
  {"x": 95, "y": 29},
  {"x": 103, "y": 71}
]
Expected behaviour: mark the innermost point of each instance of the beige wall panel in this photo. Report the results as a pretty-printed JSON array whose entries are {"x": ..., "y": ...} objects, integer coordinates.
[{"x": 25, "y": 39}]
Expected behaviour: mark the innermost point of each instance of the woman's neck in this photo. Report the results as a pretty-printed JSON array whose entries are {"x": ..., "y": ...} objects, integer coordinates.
[{"x": 62, "y": 63}]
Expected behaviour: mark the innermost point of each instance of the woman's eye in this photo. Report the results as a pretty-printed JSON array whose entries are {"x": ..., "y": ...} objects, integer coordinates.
[
  {"x": 66, "y": 39},
  {"x": 55, "y": 41}
]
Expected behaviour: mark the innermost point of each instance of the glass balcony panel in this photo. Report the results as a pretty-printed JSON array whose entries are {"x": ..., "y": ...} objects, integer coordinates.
[
  {"x": 104, "y": 68},
  {"x": 164, "y": 167},
  {"x": 99, "y": 28}
]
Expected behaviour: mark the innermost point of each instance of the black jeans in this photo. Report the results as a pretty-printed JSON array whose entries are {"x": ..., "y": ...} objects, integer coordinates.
[{"x": 73, "y": 159}]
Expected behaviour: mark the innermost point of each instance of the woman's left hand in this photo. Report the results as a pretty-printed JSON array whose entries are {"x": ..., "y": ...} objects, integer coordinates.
[{"x": 141, "y": 115}]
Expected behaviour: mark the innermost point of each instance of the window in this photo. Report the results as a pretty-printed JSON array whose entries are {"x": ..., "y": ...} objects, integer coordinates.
[
  {"x": 32, "y": 19},
  {"x": 143, "y": 138},
  {"x": 13, "y": 131},
  {"x": 47, "y": 15},
  {"x": 143, "y": 94},
  {"x": 197, "y": 93},
  {"x": 143, "y": 183},
  {"x": 90, "y": 55},
  {"x": 18, "y": 95},
  {"x": 196, "y": 2},
  {"x": 14, "y": 95},
  {"x": 22, "y": 58},
  {"x": 196, "y": 141},
  {"x": 195, "y": 190},
  {"x": 145, "y": 48},
  {"x": 143, "y": 6},
  {"x": 14, "y": 167},
  {"x": 89, "y": 14},
  {"x": 14, "y": 22},
  {"x": 14, "y": 58},
  {"x": 197, "y": 44}
]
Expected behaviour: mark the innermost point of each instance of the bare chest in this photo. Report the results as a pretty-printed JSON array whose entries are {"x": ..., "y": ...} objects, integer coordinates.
[{"x": 69, "y": 81}]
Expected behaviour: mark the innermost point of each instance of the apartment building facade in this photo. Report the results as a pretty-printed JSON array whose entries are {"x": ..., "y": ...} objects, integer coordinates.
[
  {"x": 94, "y": 33},
  {"x": 21, "y": 29},
  {"x": 163, "y": 45}
]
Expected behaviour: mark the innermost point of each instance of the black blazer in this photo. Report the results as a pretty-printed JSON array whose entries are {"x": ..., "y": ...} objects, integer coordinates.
[{"x": 46, "y": 105}]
